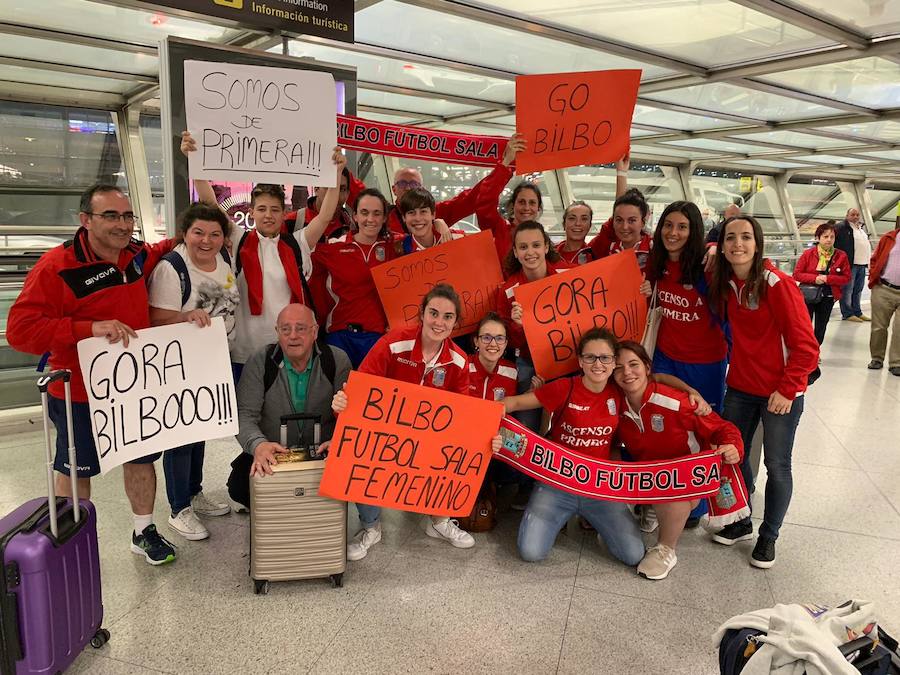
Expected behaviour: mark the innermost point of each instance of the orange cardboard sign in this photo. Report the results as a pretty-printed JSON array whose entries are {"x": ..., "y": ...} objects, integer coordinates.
[
  {"x": 469, "y": 264},
  {"x": 408, "y": 447},
  {"x": 572, "y": 119},
  {"x": 559, "y": 308}
]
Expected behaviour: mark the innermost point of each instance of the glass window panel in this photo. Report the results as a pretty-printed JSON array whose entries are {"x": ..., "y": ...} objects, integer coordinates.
[
  {"x": 79, "y": 55},
  {"x": 718, "y": 145},
  {"x": 151, "y": 135},
  {"x": 714, "y": 189},
  {"x": 872, "y": 82},
  {"x": 742, "y": 101},
  {"x": 872, "y": 17},
  {"x": 477, "y": 129},
  {"x": 677, "y": 120},
  {"x": 413, "y": 75},
  {"x": 884, "y": 204},
  {"x": 797, "y": 138},
  {"x": 596, "y": 185},
  {"x": 667, "y": 151},
  {"x": 771, "y": 164},
  {"x": 66, "y": 80},
  {"x": 428, "y": 106},
  {"x": 817, "y": 201},
  {"x": 889, "y": 155},
  {"x": 709, "y": 32},
  {"x": 883, "y": 131},
  {"x": 831, "y": 159},
  {"x": 390, "y": 119},
  {"x": 120, "y": 23},
  {"x": 394, "y": 24}
]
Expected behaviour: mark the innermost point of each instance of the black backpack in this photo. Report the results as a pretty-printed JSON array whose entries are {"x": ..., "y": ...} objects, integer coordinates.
[{"x": 176, "y": 260}]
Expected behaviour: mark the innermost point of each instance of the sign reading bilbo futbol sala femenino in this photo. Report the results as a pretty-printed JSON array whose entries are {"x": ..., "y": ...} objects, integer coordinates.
[
  {"x": 260, "y": 124},
  {"x": 326, "y": 18},
  {"x": 408, "y": 447},
  {"x": 171, "y": 386}
]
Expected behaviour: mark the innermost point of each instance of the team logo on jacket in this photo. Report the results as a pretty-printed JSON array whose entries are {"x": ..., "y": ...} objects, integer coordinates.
[
  {"x": 611, "y": 406},
  {"x": 656, "y": 423},
  {"x": 582, "y": 257},
  {"x": 438, "y": 375},
  {"x": 499, "y": 393},
  {"x": 379, "y": 253}
]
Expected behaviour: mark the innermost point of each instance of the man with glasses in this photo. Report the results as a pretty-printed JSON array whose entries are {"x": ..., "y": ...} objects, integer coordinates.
[
  {"x": 93, "y": 285},
  {"x": 302, "y": 383}
]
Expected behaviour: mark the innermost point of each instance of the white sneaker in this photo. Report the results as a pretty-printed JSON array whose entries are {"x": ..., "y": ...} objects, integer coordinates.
[
  {"x": 204, "y": 506},
  {"x": 657, "y": 562},
  {"x": 363, "y": 540},
  {"x": 188, "y": 525},
  {"x": 237, "y": 507},
  {"x": 447, "y": 529},
  {"x": 649, "y": 523}
]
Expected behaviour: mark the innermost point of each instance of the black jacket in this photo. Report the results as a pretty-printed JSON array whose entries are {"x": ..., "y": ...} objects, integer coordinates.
[{"x": 843, "y": 238}]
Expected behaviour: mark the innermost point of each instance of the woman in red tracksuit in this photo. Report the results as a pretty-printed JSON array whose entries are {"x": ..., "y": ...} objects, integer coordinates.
[
  {"x": 659, "y": 422},
  {"x": 491, "y": 377},
  {"x": 825, "y": 266},
  {"x": 773, "y": 353}
]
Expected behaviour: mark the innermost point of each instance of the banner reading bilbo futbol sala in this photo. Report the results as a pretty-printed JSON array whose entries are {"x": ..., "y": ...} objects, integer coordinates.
[
  {"x": 397, "y": 140},
  {"x": 681, "y": 479}
]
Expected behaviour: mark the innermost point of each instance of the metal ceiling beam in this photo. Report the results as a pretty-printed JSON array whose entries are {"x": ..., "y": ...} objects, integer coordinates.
[
  {"x": 524, "y": 24},
  {"x": 399, "y": 113},
  {"x": 675, "y": 107},
  {"x": 53, "y": 95},
  {"x": 807, "y": 21},
  {"x": 75, "y": 70},
  {"x": 462, "y": 118},
  {"x": 788, "y": 92},
  {"x": 435, "y": 95},
  {"x": 75, "y": 39}
]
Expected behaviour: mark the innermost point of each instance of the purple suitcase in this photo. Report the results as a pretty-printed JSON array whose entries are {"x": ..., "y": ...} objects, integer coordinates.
[{"x": 50, "y": 600}]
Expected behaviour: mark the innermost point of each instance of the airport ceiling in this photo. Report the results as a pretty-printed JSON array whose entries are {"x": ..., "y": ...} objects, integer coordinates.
[{"x": 807, "y": 87}]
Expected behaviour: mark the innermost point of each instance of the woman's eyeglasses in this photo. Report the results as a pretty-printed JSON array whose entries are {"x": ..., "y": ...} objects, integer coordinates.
[
  {"x": 591, "y": 359},
  {"x": 488, "y": 339}
]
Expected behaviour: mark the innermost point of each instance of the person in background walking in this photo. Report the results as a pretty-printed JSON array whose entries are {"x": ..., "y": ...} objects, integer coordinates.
[{"x": 851, "y": 237}]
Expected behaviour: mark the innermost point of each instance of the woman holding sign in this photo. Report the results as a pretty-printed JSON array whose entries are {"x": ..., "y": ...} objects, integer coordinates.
[
  {"x": 193, "y": 283},
  {"x": 423, "y": 355},
  {"x": 585, "y": 415},
  {"x": 773, "y": 353},
  {"x": 659, "y": 422}
]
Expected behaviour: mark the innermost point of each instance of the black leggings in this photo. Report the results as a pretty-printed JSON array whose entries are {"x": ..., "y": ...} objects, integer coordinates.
[{"x": 820, "y": 313}]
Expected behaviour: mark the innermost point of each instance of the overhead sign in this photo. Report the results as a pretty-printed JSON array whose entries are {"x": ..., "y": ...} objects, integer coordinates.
[
  {"x": 260, "y": 124},
  {"x": 559, "y": 308},
  {"x": 469, "y": 264},
  {"x": 408, "y": 447},
  {"x": 325, "y": 18},
  {"x": 574, "y": 119},
  {"x": 171, "y": 386}
]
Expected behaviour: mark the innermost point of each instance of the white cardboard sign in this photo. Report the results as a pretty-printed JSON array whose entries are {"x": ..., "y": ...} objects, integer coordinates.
[
  {"x": 170, "y": 387},
  {"x": 260, "y": 124}
]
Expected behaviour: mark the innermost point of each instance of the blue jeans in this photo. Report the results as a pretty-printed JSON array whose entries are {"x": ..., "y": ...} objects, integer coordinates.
[
  {"x": 851, "y": 292},
  {"x": 524, "y": 372},
  {"x": 183, "y": 468},
  {"x": 746, "y": 411},
  {"x": 368, "y": 514},
  {"x": 549, "y": 509}
]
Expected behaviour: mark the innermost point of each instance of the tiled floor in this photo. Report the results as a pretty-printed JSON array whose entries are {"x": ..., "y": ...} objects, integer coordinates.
[{"x": 417, "y": 605}]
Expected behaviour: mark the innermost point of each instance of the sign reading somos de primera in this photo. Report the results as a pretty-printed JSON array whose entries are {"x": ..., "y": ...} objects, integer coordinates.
[
  {"x": 171, "y": 386},
  {"x": 325, "y": 18},
  {"x": 408, "y": 447},
  {"x": 260, "y": 124}
]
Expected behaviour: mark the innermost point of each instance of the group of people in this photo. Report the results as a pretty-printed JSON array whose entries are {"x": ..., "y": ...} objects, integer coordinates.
[{"x": 734, "y": 349}]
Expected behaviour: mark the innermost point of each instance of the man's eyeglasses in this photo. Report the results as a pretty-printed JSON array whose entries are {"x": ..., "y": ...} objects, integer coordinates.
[
  {"x": 300, "y": 329},
  {"x": 591, "y": 359},
  {"x": 408, "y": 184},
  {"x": 114, "y": 217},
  {"x": 488, "y": 339}
]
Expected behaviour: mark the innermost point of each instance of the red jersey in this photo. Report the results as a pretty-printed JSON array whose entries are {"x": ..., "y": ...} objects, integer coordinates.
[
  {"x": 486, "y": 210},
  {"x": 398, "y": 355},
  {"x": 342, "y": 283},
  {"x": 580, "y": 257},
  {"x": 582, "y": 420},
  {"x": 773, "y": 346},
  {"x": 494, "y": 386},
  {"x": 666, "y": 427},
  {"x": 688, "y": 331},
  {"x": 70, "y": 288},
  {"x": 508, "y": 294},
  {"x": 642, "y": 248}
]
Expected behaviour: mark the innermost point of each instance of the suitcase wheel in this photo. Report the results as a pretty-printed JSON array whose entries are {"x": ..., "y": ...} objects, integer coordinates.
[
  {"x": 337, "y": 580},
  {"x": 101, "y": 637},
  {"x": 261, "y": 586}
]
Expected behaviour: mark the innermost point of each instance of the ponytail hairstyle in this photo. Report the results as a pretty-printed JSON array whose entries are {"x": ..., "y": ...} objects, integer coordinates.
[
  {"x": 691, "y": 258},
  {"x": 755, "y": 287},
  {"x": 511, "y": 263},
  {"x": 384, "y": 232}
]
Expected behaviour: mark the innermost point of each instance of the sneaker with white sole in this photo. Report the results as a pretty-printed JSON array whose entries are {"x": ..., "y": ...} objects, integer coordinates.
[
  {"x": 449, "y": 530},
  {"x": 204, "y": 506},
  {"x": 156, "y": 549},
  {"x": 188, "y": 525},
  {"x": 363, "y": 540},
  {"x": 732, "y": 534},
  {"x": 649, "y": 522},
  {"x": 657, "y": 563}
]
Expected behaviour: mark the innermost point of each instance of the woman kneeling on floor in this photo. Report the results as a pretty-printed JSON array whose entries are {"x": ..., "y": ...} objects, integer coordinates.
[{"x": 659, "y": 422}]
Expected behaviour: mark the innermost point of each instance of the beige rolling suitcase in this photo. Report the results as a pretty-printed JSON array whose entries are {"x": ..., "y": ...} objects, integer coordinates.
[{"x": 295, "y": 533}]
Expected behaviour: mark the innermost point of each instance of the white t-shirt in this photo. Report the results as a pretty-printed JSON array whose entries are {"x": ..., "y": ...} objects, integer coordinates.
[
  {"x": 255, "y": 332},
  {"x": 862, "y": 248},
  {"x": 214, "y": 292}
]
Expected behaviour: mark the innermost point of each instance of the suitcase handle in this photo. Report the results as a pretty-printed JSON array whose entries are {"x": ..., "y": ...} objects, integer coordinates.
[
  {"x": 300, "y": 416},
  {"x": 44, "y": 380},
  {"x": 43, "y": 384}
]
